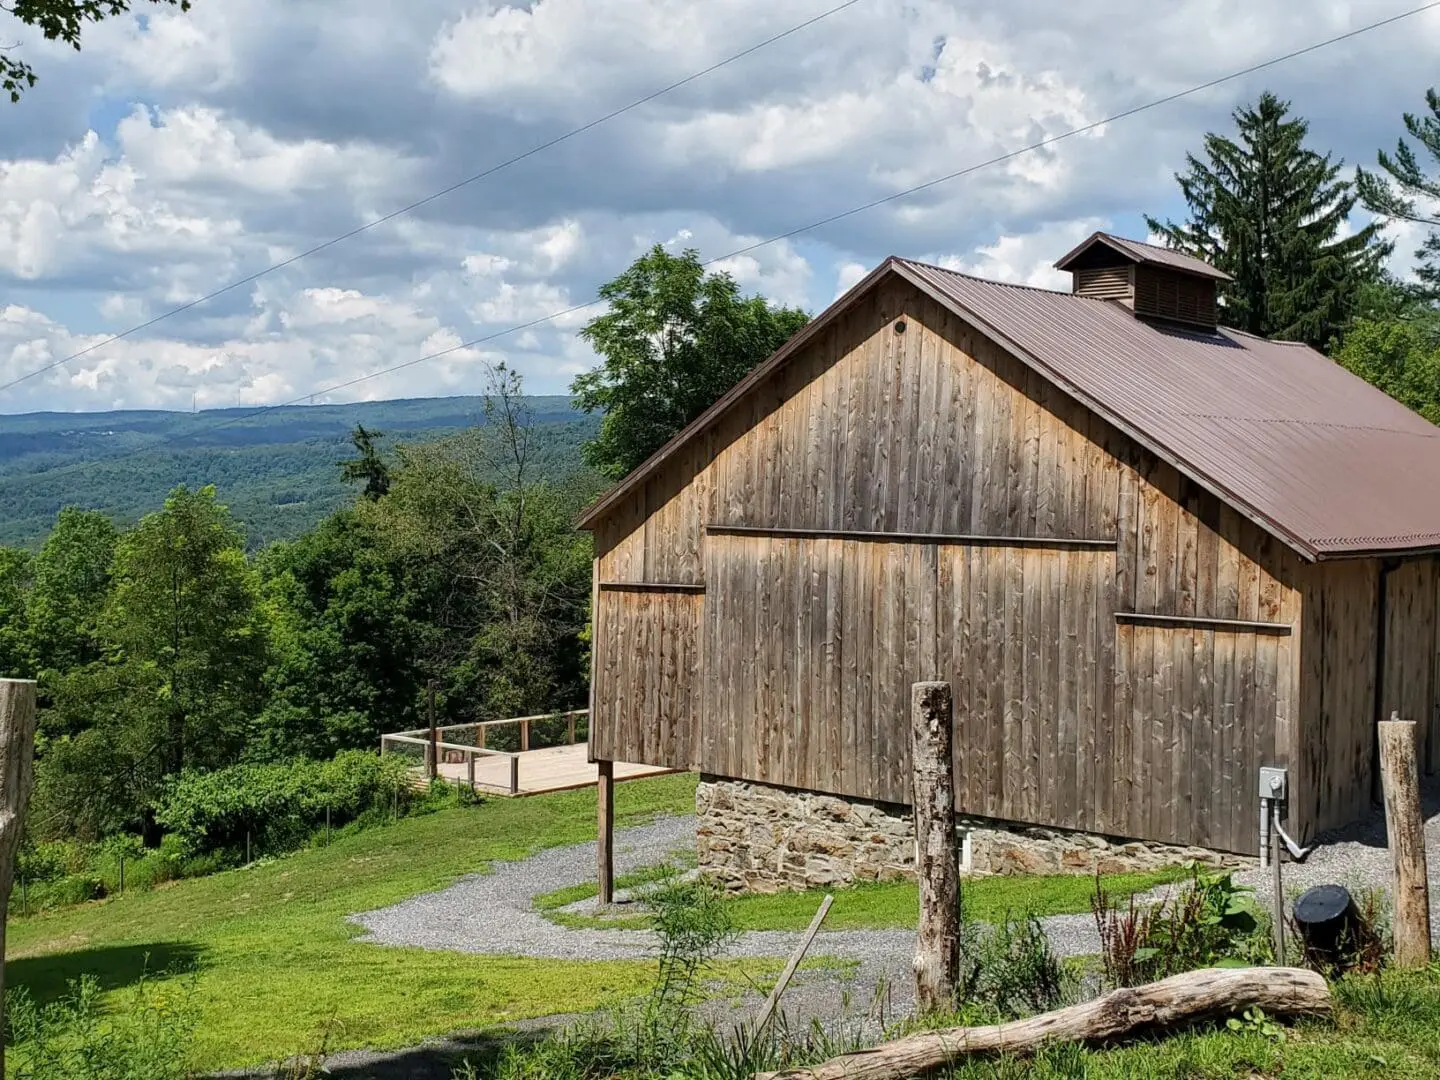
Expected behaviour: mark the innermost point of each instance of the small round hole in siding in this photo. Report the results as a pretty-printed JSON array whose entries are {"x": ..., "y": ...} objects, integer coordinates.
[{"x": 900, "y": 326}]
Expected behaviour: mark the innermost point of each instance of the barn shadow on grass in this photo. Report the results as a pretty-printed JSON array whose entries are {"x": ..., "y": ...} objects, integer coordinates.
[{"x": 114, "y": 967}]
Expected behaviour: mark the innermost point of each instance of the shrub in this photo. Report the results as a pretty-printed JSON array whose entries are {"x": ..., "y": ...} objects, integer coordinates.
[
  {"x": 1210, "y": 921},
  {"x": 79, "y": 1038},
  {"x": 276, "y": 806},
  {"x": 1010, "y": 970}
]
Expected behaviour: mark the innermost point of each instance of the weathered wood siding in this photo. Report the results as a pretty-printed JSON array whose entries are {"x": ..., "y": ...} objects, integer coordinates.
[
  {"x": 1410, "y": 650},
  {"x": 1333, "y": 773},
  {"x": 643, "y": 700},
  {"x": 935, "y": 430},
  {"x": 1343, "y": 626}
]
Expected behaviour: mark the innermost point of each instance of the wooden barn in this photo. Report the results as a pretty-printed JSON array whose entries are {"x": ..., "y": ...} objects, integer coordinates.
[{"x": 1150, "y": 554}]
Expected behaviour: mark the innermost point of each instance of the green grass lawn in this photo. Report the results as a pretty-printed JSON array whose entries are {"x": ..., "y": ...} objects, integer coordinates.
[
  {"x": 890, "y": 905},
  {"x": 276, "y": 956}
]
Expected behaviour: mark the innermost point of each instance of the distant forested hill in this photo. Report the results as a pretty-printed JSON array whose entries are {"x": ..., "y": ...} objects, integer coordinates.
[{"x": 275, "y": 469}]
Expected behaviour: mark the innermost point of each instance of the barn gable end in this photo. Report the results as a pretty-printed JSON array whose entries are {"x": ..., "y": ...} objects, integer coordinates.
[{"x": 903, "y": 499}]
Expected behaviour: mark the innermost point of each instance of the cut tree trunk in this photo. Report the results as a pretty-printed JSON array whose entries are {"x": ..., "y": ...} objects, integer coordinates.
[
  {"x": 937, "y": 946},
  {"x": 1178, "y": 1000},
  {"x": 17, "y": 746},
  {"x": 1405, "y": 829}
]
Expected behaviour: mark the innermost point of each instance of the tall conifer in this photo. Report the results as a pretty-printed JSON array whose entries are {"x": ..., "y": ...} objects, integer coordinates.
[
  {"x": 1272, "y": 213},
  {"x": 1407, "y": 193}
]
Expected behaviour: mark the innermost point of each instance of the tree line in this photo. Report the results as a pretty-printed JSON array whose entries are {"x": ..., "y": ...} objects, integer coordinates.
[{"x": 166, "y": 650}]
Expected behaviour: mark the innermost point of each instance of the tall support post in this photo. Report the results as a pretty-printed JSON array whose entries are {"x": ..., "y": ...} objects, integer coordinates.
[
  {"x": 17, "y": 747},
  {"x": 937, "y": 953},
  {"x": 1404, "y": 826},
  {"x": 434, "y": 763},
  {"x": 605, "y": 831}
]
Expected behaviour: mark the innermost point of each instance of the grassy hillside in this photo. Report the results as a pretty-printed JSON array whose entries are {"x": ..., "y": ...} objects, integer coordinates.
[
  {"x": 276, "y": 469},
  {"x": 277, "y": 958}
]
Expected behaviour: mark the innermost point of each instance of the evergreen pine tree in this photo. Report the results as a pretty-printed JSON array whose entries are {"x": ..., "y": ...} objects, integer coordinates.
[
  {"x": 1270, "y": 212},
  {"x": 1408, "y": 192},
  {"x": 369, "y": 466}
]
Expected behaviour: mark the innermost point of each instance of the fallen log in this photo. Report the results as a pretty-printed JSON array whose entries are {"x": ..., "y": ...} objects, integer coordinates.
[{"x": 1172, "y": 1002}]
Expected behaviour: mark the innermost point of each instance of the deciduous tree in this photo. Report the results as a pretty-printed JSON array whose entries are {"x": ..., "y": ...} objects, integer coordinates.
[
  {"x": 57, "y": 20},
  {"x": 673, "y": 341},
  {"x": 72, "y": 581}
]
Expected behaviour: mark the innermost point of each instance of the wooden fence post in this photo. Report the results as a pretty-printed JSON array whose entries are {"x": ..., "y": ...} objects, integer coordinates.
[
  {"x": 17, "y": 747},
  {"x": 605, "y": 831},
  {"x": 1405, "y": 829},
  {"x": 434, "y": 755},
  {"x": 937, "y": 955}
]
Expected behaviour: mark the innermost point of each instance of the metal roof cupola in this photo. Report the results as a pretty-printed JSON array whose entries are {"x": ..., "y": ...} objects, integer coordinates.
[{"x": 1157, "y": 284}]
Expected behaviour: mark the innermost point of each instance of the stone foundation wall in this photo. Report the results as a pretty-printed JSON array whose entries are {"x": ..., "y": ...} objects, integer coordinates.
[{"x": 758, "y": 838}]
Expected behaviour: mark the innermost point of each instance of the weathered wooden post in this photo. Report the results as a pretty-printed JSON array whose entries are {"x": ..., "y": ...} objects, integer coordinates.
[
  {"x": 605, "y": 831},
  {"x": 937, "y": 954},
  {"x": 1404, "y": 826},
  {"x": 17, "y": 747},
  {"x": 434, "y": 763}
]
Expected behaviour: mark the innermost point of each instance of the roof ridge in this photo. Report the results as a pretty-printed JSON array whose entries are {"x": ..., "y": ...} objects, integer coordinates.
[
  {"x": 1270, "y": 340},
  {"x": 1147, "y": 243},
  {"x": 993, "y": 281}
]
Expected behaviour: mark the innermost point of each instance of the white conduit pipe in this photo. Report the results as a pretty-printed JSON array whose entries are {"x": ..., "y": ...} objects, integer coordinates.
[{"x": 1264, "y": 833}]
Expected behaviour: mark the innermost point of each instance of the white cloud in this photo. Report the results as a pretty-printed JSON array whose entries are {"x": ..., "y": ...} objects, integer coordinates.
[
  {"x": 180, "y": 153},
  {"x": 1027, "y": 259}
]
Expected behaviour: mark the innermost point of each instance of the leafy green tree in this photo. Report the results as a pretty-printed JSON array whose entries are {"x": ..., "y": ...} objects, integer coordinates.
[
  {"x": 1272, "y": 213},
  {"x": 344, "y": 643},
  {"x": 57, "y": 20},
  {"x": 1401, "y": 357},
  {"x": 72, "y": 582},
  {"x": 491, "y": 558},
  {"x": 1407, "y": 192},
  {"x": 185, "y": 617},
  {"x": 184, "y": 642},
  {"x": 369, "y": 467},
  {"x": 17, "y": 658},
  {"x": 673, "y": 341}
]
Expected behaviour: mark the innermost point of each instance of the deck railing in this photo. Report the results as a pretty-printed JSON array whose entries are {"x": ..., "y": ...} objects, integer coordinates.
[{"x": 435, "y": 741}]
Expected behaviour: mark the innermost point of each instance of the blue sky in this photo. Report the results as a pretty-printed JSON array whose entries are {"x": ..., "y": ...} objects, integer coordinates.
[{"x": 178, "y": 152}]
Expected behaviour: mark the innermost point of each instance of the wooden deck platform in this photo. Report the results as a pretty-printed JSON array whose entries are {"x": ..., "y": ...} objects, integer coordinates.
[{"x": 555, "y": 768}]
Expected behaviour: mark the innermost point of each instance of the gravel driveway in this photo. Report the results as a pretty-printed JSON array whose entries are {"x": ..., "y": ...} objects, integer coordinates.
[{"x": 492, "y": 913}]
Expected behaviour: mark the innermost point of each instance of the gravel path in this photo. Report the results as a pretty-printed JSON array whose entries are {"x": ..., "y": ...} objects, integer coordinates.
[
  {"x": 492, "y": 913},
  {"x": 1355, "y": 857}
]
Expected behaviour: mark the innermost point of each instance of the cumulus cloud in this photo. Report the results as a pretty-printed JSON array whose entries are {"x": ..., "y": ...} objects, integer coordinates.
[{"x": 181, "y": 152}]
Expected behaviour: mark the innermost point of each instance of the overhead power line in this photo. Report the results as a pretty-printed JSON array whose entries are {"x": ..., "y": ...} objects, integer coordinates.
[
  {"x": 539, "y": 148},
  {"x": 819, "y": 223},
  {"x": 894, "y": 197}
]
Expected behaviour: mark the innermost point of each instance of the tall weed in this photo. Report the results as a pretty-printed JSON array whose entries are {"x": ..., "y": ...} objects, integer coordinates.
[
  {"x": 78, "y": 1038},
  {"x": 1210, "y": 921}
]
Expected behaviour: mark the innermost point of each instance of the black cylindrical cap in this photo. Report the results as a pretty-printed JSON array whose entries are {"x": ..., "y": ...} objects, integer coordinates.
[{"x": 1322, "y": 904}]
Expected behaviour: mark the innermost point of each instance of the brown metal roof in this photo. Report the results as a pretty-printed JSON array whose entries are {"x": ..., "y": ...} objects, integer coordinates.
[
  {"x": 1290, "y": 439},
  {"x": 1149, "y": 254},
  {"x": 1287, "y": 436}
]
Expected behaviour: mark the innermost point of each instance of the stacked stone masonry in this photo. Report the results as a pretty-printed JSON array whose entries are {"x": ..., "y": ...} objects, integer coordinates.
[{"x": 758, "y": 838}]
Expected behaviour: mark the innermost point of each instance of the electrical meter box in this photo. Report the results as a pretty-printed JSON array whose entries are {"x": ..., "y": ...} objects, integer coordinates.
[{"x": 1274, "y": 783}]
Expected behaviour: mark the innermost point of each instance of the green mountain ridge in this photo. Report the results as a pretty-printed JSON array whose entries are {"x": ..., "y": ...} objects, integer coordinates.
[{"x": 276, "y": 468}]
